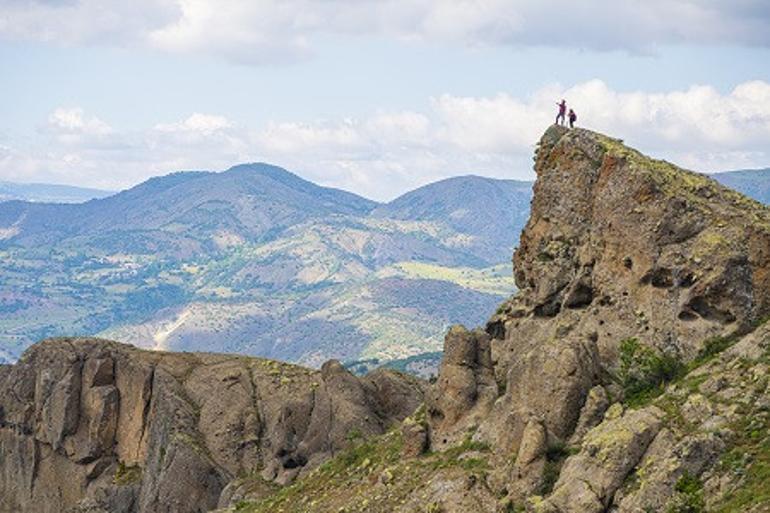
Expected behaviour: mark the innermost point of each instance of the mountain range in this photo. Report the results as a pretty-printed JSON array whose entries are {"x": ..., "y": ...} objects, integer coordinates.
[
  {"x": 754, "y": 183},
  {"x": 257, "y": 260},
  {"x": 228, "y": 261},
  {"x": 49, "y": 193}
]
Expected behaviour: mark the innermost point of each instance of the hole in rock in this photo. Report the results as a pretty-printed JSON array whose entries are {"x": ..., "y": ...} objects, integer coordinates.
[{"x": 660, "y": 277}]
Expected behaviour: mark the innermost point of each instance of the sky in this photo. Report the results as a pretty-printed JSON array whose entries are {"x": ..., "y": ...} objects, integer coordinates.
[{"x": 373, "y": 96}]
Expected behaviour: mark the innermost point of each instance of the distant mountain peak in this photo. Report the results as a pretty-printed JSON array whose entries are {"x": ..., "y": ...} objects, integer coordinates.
[
  {"x": 49, "y": 193},
  {"x": 264, "y": 169},
  {"x": 752, "y": 182}
]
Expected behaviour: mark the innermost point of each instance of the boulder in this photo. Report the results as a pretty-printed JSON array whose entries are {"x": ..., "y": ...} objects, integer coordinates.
[{"x": 465, "y": 390}]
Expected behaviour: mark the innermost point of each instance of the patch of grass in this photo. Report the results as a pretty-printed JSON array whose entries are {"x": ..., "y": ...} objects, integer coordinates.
[
  {"x": 452, "y": 457},
  {"x": 748, "y": 461},
  {"x": 352, "y": 480},
  {"x": 645, "y": 372},
  {"x": 495, "y": 280},
  {"x": 688, "y": 497},
  {"x": 354, "y": 435},
  {"x": 714, "y": 346},
  {"x": 631, "y": 482},
  {"x": 761, "y": 321},
  {"x": 711, "y": 348},
  {"x": 551, "y": 472}
]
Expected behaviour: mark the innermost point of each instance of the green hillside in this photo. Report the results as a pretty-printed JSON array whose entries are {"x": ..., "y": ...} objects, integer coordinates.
[{"x": 227, "y": 261}]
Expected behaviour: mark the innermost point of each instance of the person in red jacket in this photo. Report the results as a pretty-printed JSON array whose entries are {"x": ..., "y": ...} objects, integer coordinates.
[{"x": 562, "y": 112}]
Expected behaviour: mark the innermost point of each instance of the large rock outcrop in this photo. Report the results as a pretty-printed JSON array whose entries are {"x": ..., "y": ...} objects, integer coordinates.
[
  {"x": 466, "y": 387},
  {"x": 643, "y": 248},
  {"x": 91, "y": 425},
  {"x": 618, "y": 247}
]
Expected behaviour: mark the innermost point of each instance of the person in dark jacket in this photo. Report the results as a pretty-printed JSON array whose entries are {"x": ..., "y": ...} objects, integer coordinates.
[{"x": 572, "y": 118}]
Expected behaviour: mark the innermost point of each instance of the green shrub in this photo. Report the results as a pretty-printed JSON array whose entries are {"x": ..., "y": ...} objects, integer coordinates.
[
  {"x": 712, "y": 347},
  {"x": 354, "y": 435},
  {"x": 551, "y": 472},
  {"x": 126, "y": 475},
  {"x": 644, "y": 372}
]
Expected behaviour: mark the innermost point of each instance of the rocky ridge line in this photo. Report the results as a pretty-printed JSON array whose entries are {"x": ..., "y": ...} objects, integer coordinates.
[{"x": 92, "y": 425}]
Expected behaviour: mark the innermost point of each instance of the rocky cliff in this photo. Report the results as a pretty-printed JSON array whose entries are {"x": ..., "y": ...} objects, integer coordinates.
[
  {"x": 629, "y": 270},
  {"x": 622, "y": 254},
  {"x": 91, "y": 425}
]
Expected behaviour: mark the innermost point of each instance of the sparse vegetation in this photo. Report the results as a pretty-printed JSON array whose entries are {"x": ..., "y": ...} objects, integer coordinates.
[
  {"x": 688, "y": 497},
  {"x": 127, "y": 474},
  {"x": 644, "y": 372},
  {"x": 748, "y": 462},
  {"x": 352, "y": 479},
  {"x": 711, "y": 348},
  {"x": 354, "y": 435},
  {"x": 554, "y": 459}
]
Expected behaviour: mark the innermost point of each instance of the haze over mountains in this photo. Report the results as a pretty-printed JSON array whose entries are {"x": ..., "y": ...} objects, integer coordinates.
[
  {"x": 754, "y": 183},
  {"x": 49, "y": 193},
  {"x": 259, "y": 261},
  {"x": 229, "y": 261}
]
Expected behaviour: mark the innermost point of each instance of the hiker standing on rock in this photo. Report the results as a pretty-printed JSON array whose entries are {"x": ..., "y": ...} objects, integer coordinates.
[
  {"x": 562, "y": 112},
  {"x": 572, "y": 118}
]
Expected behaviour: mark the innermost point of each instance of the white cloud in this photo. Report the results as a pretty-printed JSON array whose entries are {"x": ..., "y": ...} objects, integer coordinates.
[
  {"x": 391, "y": 152},
  {"x": 203, "y": 123},
  {"x": 72, "y": 121},
  {"x": 111, "y": 22},
  {"x": 276, "y": 31}
]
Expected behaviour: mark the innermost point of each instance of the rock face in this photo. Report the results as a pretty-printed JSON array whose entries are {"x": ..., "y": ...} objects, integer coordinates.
[
  {"x": 91, "y": 425},
  {"x": 618, "y": 247},
  {"x": 589, "y": 480},
  {"x": 635, "y": 247},
  {"x": 466, "y": 388}
]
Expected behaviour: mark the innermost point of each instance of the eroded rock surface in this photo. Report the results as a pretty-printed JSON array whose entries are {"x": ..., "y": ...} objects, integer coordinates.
[
  {"x": 466, "y": 387},
  {"x": 618, "y": 247},
  {"x": 92, "y": 425}
]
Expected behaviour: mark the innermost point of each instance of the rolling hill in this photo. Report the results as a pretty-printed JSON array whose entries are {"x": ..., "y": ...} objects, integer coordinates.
[
  {"x": 494, "y": 211},
  {"x": 256, "y": 260}
]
